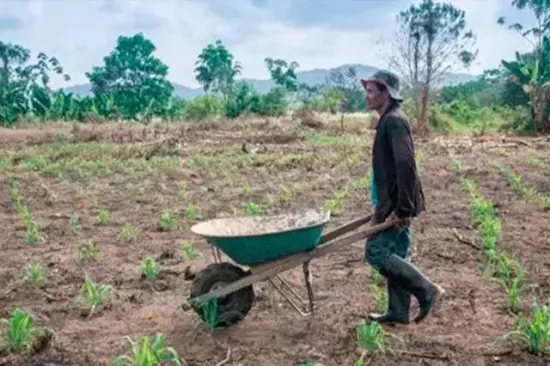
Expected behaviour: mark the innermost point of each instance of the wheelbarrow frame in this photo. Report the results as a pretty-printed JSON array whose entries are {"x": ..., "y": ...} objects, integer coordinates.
[{"x": 267, "y": 271}]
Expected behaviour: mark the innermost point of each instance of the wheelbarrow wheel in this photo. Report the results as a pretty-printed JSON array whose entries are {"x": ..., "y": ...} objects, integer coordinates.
[{"x": 229, "y": 309}]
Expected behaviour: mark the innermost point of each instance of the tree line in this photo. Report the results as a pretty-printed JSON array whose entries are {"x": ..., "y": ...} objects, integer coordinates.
[{"x": 432, "y": 40}]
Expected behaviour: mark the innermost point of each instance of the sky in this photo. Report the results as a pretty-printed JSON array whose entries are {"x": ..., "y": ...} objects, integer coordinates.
[{"x": 314, "y": 33}]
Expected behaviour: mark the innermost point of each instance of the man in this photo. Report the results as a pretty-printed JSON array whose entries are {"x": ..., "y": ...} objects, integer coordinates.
[{"x": 398, "y": 197}]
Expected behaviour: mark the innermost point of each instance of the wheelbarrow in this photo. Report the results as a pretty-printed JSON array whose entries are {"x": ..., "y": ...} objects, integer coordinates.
[{"x": 261, "y": 248}]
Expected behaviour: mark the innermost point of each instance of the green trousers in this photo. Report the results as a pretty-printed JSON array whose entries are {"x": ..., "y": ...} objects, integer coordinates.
[{"x": 381, "y": 245}]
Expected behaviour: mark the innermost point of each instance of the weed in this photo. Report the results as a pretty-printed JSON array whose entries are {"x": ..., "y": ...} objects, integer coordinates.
[{"x": 147, "y": 353}]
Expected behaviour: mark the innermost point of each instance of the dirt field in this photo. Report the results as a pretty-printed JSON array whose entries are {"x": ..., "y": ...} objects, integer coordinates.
[{"x": 114, "y": 187}]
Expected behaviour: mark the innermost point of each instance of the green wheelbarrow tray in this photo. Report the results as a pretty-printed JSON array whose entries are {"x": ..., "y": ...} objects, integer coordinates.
[{"x": 255, "y": 240}]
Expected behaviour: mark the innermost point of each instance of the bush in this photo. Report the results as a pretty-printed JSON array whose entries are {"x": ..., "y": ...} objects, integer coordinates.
[{"x": 203, "y": 107}]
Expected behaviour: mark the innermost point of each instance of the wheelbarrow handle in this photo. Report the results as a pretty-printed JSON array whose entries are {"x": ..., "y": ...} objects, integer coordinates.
[{"x": 343, "y": 229}]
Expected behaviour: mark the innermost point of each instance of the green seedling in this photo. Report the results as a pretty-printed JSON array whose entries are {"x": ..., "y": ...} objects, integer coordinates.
[
  {"x": 89, "y": 251},
  {"x": 35, "y": 274},
  {"x": 252, "y": 209},
  {"x": 376, "y": 278},
  {"x": 147, "y": 353},
  {"x": 95, "y": 295},
  {"x": 74, "y": 223},
  {"x": 104, "y": 217},
  {"x": 191, "y": 212},
  {"x": 534, "y": 333},
  {"x": 21, "y": 326},
  {"x": 22, "y": 336},
  {"x": 168, "y": 221},
  {"x": 128, "y": 233},
  {"x": 149, "y": 269},
  {"x": 506, "y": 267},
  {"x": 380, "y": 296},
  {"x": 189, "y": 251},
  {"x": 373, "y": 340}
]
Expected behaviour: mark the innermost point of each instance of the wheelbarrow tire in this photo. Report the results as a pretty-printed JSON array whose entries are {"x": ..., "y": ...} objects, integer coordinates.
[{"x": 231, "y": 308}]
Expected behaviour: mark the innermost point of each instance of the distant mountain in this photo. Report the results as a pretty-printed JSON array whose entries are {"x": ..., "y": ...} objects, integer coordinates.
[{"x": 310, "y": 77}]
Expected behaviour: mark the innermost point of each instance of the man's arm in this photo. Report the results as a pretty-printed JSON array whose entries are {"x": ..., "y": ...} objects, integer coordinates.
[{"x": 401, "y": 144}]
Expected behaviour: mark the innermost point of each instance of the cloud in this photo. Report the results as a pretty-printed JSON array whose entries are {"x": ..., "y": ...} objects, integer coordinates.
[{"x": 315, "y": 33}]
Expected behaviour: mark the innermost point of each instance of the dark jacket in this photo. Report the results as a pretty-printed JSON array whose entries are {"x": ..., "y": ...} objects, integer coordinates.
[{"x": 394, "y": 168}]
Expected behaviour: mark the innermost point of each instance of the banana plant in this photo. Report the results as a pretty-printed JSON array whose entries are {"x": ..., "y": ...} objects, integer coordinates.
[{"x": 529, "y": 70}]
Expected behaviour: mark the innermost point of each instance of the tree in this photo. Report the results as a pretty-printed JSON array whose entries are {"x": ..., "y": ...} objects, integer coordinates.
[
  {"x": 216, "y": 70},
  {"x": 283, "y": 73},
  {"x": 432, "y": 40},
  {"x": 532, "y": 71},
  {"x": 134, "y": 77},
  {"x": 24, "y": 86}
]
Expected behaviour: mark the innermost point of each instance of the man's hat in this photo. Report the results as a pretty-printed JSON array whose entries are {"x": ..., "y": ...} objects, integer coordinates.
[{"x": 389, "y": 80}]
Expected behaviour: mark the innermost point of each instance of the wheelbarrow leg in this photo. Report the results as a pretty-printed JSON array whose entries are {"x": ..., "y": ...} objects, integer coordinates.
[
  {"x": 296, "y": 306},
  {"x": 216, "y": 253},
  {"x": 307, "y": 279}
]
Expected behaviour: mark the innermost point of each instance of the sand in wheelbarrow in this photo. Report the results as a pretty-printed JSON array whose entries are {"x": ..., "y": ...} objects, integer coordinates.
[{"x": 260, "y": 225}]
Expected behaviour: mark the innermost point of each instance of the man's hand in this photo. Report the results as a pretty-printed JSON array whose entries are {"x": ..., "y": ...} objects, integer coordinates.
[{"x": 399, "y": 222}]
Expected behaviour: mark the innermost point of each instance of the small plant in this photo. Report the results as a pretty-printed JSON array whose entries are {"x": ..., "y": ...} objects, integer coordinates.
[
  {"x": 104, "y": 217},
  {"x": 513, "y": 287},
  {"x": 373, "y": 340},
  {"x": 32, "y": 234},
  {"x": 191, "y": 211},
  {"x": 168, "y": 221},
  {"x": 534, "y": 333},
  {"x": 380, "y": 296},
  {"x": 89, "y": 251},
  {"x": 147, "y": 353},
  {"x": 22, "y": 334},
  {"x": 149, "y": 269},
  {"x": 506, "y": 266},
  {"x": 252, "y": 209},
  {"x": 128, "y": 233},
  {"x": 35, "y": 274},
  {"x": 74, "y": 223},
  {"x": 95, "y": 295},
  {"x": 189, "y": 251},
  {"x": 20, "y": 328}
]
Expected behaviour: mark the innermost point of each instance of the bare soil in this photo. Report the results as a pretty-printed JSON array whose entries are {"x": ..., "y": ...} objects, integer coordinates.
[{"x": 250, "y": 168}]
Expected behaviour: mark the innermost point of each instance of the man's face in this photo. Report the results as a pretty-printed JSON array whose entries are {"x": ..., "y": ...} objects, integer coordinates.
[{"x": 374, "y": 97}]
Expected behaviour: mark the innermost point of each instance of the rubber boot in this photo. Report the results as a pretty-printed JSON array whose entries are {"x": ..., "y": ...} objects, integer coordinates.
[
  {"x": 399, "y": 302},
  {"x": 413, "y": 281}
]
